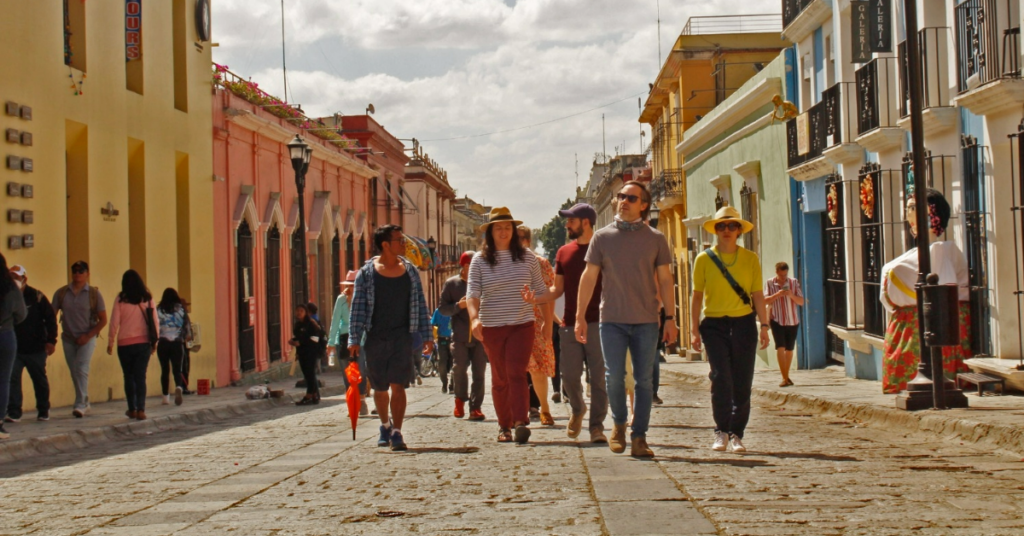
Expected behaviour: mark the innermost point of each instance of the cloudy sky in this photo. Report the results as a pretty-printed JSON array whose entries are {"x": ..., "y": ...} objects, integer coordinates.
[{"x": 455, "y": 74}]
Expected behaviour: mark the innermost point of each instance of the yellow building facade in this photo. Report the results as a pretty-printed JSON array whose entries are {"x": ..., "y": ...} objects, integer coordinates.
[
  {"x": 701, "y": 71},
  {"x": 119, "y": 159}
]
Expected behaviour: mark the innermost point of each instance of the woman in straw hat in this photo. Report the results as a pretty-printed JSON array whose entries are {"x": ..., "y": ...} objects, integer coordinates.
[
  {"x": 727, "y": 290},
  {"x": 503, "y": 320},
  {"x": 337, "y": 341}
]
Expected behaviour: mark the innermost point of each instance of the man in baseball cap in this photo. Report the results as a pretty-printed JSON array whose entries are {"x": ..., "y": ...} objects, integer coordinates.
[
  {"x": 581, "y": 211},
  {"x": 37, "y": 339},
  {"x": 466, "y": 350}
]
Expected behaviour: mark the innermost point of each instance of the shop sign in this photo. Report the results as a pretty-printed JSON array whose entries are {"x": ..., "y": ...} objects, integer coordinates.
[
  {"x": 881, "y": 25},
  {"x": 252, "y": 310},
  {"x": 871, "y": 28},
  {"x": 132, "y": 30}
]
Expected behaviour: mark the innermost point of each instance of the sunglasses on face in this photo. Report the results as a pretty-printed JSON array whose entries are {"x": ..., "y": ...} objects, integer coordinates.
[
  {"x": 78, "y": 271},
  {"x": 732, "y": 226},
  {"x": 628, "y": 197}
]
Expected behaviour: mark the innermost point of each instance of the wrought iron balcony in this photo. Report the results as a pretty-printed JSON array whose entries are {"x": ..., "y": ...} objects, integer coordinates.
[
  {"x": 934, "y": 46},
  {"x": 829, "y": 123},
  {"x": 791, "y": 9},
  {"x": 988, "y": 42},
  {"x": 669, "y": 183},
  {"x": 731, "y": 24},
  {"x": 876, "y": 95}
]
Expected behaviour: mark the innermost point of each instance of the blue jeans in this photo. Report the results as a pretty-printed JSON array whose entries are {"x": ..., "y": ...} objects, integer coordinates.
[
  {"x": 642, "y": 341},
  {"x": 8, "y": 351}
]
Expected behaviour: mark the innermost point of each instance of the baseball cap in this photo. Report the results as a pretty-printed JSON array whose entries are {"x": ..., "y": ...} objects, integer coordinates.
[
  {"x": 18, "y": 270},
  {"x": 466, "y": 258},
  {"x": 80, "y": 266},
  {"x": 581, "y": 211}
]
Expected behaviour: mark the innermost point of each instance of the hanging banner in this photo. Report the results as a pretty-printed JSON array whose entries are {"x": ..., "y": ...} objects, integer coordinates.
[
  {"x": 881, "y": 25},
  {"x": 132, "y": 30},
  {"x": 860, "y": 32}
]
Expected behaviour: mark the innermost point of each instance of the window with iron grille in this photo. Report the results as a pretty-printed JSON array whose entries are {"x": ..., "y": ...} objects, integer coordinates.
[
  {"x": 244, "y": 275},
  {"x": 834, "y": 222},
  {"x": 976, "y": 242},
  {"x": 880, "y": 225},
  {"x": 297, "y": 297},
  {"x": 350, "y": 254},
  {"x": 274, "y": 293},
  {"x": 362, "y": 251},
  {"x": 335, "y": 264},
  {"x": 1017, "y": 209},
  {"x": 750, "y": 212}
]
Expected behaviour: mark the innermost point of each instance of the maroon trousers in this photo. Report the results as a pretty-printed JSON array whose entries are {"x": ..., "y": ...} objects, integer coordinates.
[{"x": 508, "y": 349}]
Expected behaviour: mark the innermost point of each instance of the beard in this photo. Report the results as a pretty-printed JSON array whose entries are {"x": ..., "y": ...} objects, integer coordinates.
[{"x": 574, "y": 234}]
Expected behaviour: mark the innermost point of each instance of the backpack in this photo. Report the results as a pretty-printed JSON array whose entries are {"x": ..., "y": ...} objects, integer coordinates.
[{"x": 94, "y": 300}]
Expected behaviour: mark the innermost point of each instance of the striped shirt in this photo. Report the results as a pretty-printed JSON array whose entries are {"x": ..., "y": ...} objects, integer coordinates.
[
  {"x": 499, "y": 288},
  {"x": 784, "y": 310}
]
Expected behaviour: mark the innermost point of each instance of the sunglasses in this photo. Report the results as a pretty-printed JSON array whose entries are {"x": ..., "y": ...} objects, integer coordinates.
[
  {"x": 78, "y": 271},
  {"x": 627, "y": 197},
  {"x": 732, "y": 226}
]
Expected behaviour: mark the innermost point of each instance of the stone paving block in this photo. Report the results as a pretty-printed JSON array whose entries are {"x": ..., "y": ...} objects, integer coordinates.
[
  {"x": 637, "y": 490},
  {"x": 145, "y": 530},
  {"x": 654, "y": 517}
]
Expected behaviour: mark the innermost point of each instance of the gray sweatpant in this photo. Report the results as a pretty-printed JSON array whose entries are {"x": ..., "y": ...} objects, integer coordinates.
[
  {"x": 573, "y": 354},
  {"x": 466, "y": 355}
]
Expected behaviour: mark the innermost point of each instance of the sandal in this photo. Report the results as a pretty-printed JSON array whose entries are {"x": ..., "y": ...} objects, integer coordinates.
[
  {"x": 505, "y": 436},
  {"x": 546, "y": 419}
]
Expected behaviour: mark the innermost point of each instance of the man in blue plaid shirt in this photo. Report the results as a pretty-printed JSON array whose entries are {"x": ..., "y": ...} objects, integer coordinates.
[{"x": 386, "y": 332}]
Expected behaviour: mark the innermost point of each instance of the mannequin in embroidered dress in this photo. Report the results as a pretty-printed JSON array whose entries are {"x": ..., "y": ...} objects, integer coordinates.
[{"x": 902, "y": 346}]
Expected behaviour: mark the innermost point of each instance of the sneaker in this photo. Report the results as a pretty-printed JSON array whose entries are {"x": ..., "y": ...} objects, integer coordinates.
[
  {"x": 476, "y": 415},
  {"x": 575, "y": 425},
  {"x": 460, "y": 408},
  {"x": 3, "y": 433},
  {"x": 177, "y": 396},
  {"x": 43, "y": 416},
  {"x": 721, "y": 438},
  {"x": 556, "y": 398},
  {"x": 522, "y": 434},
  {"x": 385, "y": 436},
  {"x": 166, "y": 401},
  {"x": 78, "y": 413},
  {"x": 657, "y": 400},
  {"x": 363, "y": 410},
  {"x": 12, "y": 419},
  {"x": 397, "y": 443},
  {"x": 735, "y": 444}
]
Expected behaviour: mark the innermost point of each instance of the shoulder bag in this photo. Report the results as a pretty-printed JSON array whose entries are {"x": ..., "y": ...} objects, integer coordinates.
[{"x": 728, "y": 277}]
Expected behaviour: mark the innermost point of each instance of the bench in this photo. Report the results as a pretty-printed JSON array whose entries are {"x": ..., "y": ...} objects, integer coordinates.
[{"x": 981, "y": 380}]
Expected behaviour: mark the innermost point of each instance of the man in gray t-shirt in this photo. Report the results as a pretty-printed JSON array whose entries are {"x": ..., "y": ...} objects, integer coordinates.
[
  {"x": 83, "y": 316},
  {"x": 630, "y": 256}
]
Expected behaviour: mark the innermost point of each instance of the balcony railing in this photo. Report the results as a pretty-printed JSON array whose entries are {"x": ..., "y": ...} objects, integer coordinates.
[
  {"x": 830, "y": 123},
  {"x": 876, "y": 95},
  {"x": 791, "y": 9},
  {"x": 669, "y": 183},
  {"x": 988, "y": 42},
  {"x": 730, "y": 24},
  {"x": 934, "y": 46}
]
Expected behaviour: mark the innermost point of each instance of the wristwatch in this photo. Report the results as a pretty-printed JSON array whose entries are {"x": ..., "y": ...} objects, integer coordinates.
[{"x": 764, "y": 326}]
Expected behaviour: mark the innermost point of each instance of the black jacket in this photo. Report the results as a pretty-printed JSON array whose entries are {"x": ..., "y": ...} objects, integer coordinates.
[
  {"x": 454, "y": 290},
  {"x": 303, "y": 332},
  {"x": 39, "y": 327}
]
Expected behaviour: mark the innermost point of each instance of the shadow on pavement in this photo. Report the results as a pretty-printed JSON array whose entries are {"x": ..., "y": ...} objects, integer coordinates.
[
  {"x": 736, "y": 462},
  {"x": 804, "y": 456},
  {"x": 443, "y": 450}
]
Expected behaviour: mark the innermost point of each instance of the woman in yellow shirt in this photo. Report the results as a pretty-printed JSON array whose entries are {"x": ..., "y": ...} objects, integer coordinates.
[{"x": 729, "y": 332}]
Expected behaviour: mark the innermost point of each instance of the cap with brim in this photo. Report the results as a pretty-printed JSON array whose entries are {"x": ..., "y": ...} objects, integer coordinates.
[
  {"x": 581, "y": 211},
  {"x": 466, "y": 258},
  {"x": 727, "y": 214},
  {"x": 80, "y": 265},
  {"x": 18, "y": 270},
  {"x": 497, "y": 215}
]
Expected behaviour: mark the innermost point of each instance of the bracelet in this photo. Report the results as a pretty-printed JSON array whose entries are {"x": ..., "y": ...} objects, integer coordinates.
[{"x": 764, "y": 326}]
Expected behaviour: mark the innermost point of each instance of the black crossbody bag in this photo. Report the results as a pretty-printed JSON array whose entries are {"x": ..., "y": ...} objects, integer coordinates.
[{"x": 728, "y": 277}]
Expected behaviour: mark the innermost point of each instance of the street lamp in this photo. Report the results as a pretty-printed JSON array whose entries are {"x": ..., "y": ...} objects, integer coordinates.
[
  {"x": 432, "y": 245},
  {"x": 654, "y": 213},
  {"x": 301, "y": 153}
]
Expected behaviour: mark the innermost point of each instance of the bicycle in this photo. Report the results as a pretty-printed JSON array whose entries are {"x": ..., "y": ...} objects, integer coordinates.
[{"x": 427, "y": 365}]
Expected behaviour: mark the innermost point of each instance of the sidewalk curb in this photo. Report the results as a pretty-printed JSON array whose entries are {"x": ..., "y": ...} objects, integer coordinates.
[
  {"x": 996, "y": 436},
  {"x": 19, "y": 449}
]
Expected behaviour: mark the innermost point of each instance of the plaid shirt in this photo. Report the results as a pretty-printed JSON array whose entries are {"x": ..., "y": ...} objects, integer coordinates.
[{"x": 362, "y": 305}]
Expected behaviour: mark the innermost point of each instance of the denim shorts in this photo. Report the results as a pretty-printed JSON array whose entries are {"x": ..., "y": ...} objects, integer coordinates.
[{"x": 389, "y": 361}]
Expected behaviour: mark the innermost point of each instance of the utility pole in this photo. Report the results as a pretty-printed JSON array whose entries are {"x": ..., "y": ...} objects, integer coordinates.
[
  {"x": 577, "y": 157},
  {"x": 659, "y": 34},
  {"x": 284, "y": 65},
  {"x": 604, "y": 146}
]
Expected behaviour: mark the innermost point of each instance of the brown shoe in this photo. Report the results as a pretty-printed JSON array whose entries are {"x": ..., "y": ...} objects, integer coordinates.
[
  {"x": 618, "y": 441},
  {"x": 131, "y": 414},
  {"x": 640, "y": 448},
  {"x": 546, "y": 419},
  {"x": 140, "y": 415},
  {"x": 575, "y": 425},
  {"x": 597, "y": 436}
]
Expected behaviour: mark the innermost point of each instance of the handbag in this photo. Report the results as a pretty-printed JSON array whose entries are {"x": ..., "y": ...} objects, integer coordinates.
[
  {"x": 728, "y": 277},
  {"x": 154, "y": 335}
]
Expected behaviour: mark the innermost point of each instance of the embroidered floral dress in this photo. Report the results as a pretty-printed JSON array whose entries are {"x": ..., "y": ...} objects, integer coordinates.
[
  {"x": 902, "y": 349},
  {"x": 543, "y": 357}
]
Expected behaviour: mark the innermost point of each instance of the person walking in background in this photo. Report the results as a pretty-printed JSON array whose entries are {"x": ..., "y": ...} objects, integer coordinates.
[
  {"x": 443, "y": 324},
  {"x": 727, "y": 291},
  {"x": 542, "y": 359},
  {"x": 170, "y": 349},
  {"x": 307, "y": 338},
  {"x": 12, "y": 312},
  {"x": 570, "y": 262},
  {"x": 388, "y": 309},
  {"x": 83, "y": 315},
  {"x": 37, "y": 340},
  {"x": 467, "y": 351},
  {"x": 500, "y": 316},
  {"x": 783, "y": 295},
  {"x": 134, "y": 314},
  {"x": 634, "y": 260},
  {"x": 337, "y": 341}
]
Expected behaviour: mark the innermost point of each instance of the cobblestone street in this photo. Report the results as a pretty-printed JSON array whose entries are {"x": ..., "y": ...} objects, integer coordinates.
[{"x": 297, "y": 471}]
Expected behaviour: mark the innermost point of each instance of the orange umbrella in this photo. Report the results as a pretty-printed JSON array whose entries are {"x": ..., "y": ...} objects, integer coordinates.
[{"x": 352, "y": 394}]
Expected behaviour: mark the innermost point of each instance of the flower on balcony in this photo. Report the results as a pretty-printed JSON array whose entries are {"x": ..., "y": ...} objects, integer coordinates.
[
  {"x": 832, "y": 204},
  {"x": 867, "y": 197}
]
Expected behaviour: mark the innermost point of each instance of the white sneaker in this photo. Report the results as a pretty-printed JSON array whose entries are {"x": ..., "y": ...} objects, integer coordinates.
[
  {"x": 720, "y": 440},
  {"x": 167, "y": 400},
  {"x": 735, "y": 444}
]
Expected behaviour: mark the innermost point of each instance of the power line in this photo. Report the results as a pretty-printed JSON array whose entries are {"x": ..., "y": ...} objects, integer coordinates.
[{"x": 537, "y": 124}]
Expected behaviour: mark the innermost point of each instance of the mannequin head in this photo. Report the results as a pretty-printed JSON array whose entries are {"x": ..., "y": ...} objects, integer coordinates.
[{"x": 938, "y": 213}]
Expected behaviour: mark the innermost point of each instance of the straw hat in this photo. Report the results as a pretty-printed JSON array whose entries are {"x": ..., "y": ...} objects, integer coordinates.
[
  {"x": 350, "y": 278},
  {"x": 728, "y": 213},
  {"x": 499, "y": 214}
]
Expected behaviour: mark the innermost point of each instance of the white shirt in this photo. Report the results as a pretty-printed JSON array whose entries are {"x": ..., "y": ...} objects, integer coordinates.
[{"x": 900, "y": 275}]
